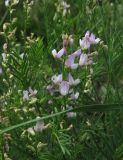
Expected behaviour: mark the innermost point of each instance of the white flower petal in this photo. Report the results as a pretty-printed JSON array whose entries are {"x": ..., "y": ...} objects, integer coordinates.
[{"x": 57, "y": 79}]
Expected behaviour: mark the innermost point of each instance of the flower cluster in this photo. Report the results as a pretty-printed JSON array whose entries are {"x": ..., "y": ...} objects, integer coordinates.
[
  {"x": 62, "y": 8},
  {"x": 29, "y": 93},
  {"x": 64, "y": 87},
  {"x": 81, "y": 57}
]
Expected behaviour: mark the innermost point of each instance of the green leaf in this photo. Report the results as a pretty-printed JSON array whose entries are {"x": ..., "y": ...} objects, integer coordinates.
[{"x": 86, "y": 108}]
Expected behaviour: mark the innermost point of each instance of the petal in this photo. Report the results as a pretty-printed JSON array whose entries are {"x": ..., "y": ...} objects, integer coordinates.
[
  {"x": 57, "y": 79},
  {"x": 4, "y": 56},
  {"x": 70, "y": 61},
  {"x": 87, "y": 34},
  {"x": 74, "y": 66},
  {"x": 77, "y": 53},
  {"x": 97, "y": 40},
  {"x": 85, "y": 43},
  {"x": 76, "y": 82},
  {"x": 92, "y": 38},
  {"x": 39, "y": 125},
  {"x": 74, "y": 96},
  {"x": 61, "y": 53},
  {"x": 64, "y": 88},
  {"x": 1, "y": 71},
  {"x": 54, "y": 53},
  {"x": 83, "y": 59},
  {"x": 80, "y": 42},
  {"x": 25, "y": 95},
  {"x": 70, "y": 79}
]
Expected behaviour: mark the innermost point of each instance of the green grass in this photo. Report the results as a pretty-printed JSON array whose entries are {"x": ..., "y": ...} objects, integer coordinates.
[{"x": 96, "y": 132}]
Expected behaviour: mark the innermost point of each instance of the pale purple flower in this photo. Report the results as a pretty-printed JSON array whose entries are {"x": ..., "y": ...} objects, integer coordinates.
[
  {"x": 74, "y": 96},
  {"x": 70, "y": 62},
  {"x": 72, "y": 81},
  {"x": 57, "y": 79},
  {"x": 77, "y": 53},
  {"x": 39, "y": 127},
  {"x": 32, "y": 92},
  {"x": 64, "y": 88},
  {"x": 87, "y": 40},
  {"x": 58, "y": 54},
  {"x": 25, "y": 95},
  {"x": 83, "y": 59}
]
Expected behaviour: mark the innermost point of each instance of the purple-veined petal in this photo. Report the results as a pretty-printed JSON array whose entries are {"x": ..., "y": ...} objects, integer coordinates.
[{"x": 84, "y": 43}]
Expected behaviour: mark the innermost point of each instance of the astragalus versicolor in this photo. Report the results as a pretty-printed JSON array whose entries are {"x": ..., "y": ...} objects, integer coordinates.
[{"x": 63, "y": 83}]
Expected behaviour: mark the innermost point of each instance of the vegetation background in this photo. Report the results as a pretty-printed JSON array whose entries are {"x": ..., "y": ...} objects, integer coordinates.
[{"x": 35, "y": 28}]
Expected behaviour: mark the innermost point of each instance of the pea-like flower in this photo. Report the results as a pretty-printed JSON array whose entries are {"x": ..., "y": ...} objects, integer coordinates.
[
  {"x": 77, "y": 53},
  {"x": 29, "y": 93},
  {"x": 64, "y": 88},
  {"x": 87, "y": 40},
  {"x": 32, "y": 92},
  {"x": 83, "y": 59},
  {"x": 71, "y": 81},
  {"x": 58, "y": 54},
  {"x": 57, "y": 79},
  {"x": 70, "y": 62}
]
